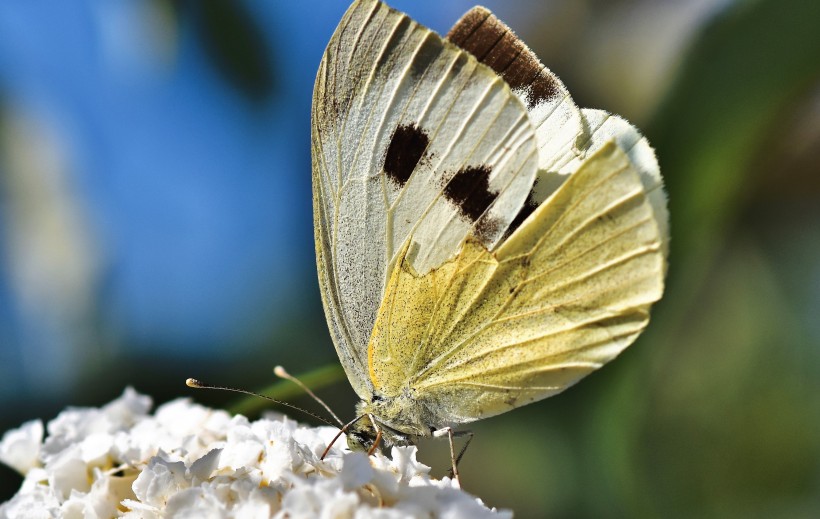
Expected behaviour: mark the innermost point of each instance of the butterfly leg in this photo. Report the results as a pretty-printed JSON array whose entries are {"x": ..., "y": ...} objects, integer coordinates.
[
  {"x": 376, "y": 442},
  {"x": 453, "y": 458},
  {"x": 469, "y": 435}
]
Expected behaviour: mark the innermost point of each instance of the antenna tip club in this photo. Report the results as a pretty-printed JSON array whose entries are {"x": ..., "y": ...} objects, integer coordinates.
[{"x": 192, "y": 382}]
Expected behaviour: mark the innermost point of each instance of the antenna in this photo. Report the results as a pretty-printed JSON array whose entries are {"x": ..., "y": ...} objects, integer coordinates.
[
  {"x": 280, "y": 372},
  {"x": 198, "y": 384},
  {"x": 344, "y": 428}
]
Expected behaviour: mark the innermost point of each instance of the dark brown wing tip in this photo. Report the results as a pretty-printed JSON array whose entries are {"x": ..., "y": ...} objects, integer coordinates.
[
  {"x": 468, "y": 23},
  {"x": 494, "y": 44}
]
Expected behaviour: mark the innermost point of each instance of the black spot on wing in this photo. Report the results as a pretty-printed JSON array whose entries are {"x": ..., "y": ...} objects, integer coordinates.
[
  {"x": 469, "y": 191},
  {"x": 405, "y": 151},
  {"x": 487, "y": 228}
]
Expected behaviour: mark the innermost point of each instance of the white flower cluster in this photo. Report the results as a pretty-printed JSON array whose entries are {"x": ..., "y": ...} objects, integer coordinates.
[{"x": 189, "y": 461}]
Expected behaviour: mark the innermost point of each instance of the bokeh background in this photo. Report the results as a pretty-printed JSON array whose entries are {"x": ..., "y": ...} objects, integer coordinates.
[{"x": 155, "y": 224}]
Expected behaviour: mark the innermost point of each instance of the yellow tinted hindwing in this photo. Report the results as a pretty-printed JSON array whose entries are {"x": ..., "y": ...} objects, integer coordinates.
[{"x": 489, "y": 331}]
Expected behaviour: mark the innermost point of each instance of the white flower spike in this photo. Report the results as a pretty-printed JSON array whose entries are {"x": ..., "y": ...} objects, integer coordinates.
[{"x": 186, "y": 460}]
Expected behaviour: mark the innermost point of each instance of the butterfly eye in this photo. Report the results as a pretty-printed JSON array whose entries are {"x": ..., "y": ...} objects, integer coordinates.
[{"x": 361, "y": 439}]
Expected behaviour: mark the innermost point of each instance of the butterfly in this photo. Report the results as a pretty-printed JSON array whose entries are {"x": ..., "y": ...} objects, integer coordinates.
[{"x": 482, "y": 243}]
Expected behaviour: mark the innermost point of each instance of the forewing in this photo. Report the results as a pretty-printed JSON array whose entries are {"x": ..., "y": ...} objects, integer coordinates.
[
  {"x": 558, "y": 122},
  {"x": 568, "y": 291},
  {"x": 411, "y": 136}
]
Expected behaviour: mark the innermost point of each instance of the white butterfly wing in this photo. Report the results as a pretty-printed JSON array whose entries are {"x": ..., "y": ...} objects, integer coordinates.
[
  {"x": 411, "y": 136},
  {"x": 557, "y": 120}
]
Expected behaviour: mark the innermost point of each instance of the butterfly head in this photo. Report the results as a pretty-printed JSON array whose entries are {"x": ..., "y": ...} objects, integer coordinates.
[
  {"x": 397, "y": 419},
  {"x": 362, "y": 435}
]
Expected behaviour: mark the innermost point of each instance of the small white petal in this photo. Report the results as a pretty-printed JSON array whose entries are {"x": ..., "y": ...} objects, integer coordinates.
[
  {"x": 160, "y": 480},
  {"x": 36, "y": 477},
  {"x": 202, "y": 468},
  {"x": 128, "y": 408},
  {"x": 138, "y": 510},
  {"x": 67, "y": 471},
  {"x": 242, "y": 449},
  {"x": 279, "y": 458},
  {"x": 40, "y": 502},
  {"x": 356, "y": 470},
  {"x": 20, "y": 447},
  {"x": 95, "y": 448},
  {"x": 196, "y": 503},
  {"x": 404, "y": 459}
]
